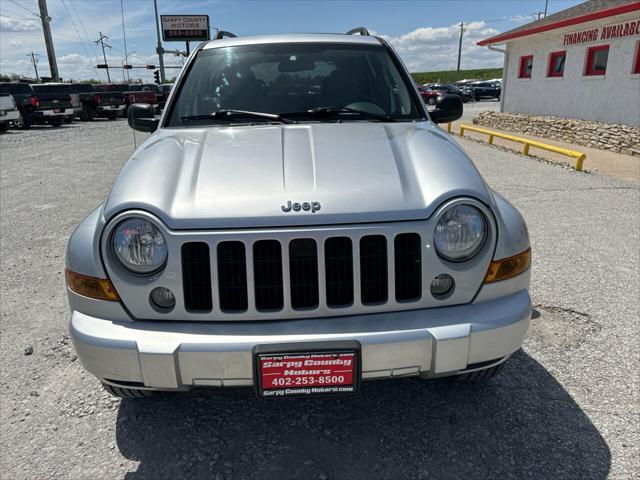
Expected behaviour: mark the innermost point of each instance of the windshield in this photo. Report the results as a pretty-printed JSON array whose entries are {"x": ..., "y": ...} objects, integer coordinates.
[{"x": 287, "y": 78}]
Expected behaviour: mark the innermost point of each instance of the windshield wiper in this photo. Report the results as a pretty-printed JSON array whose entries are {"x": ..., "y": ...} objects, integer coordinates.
[
  {"x": 329, "y": 111},
  {"x": 227, "y": 114}
]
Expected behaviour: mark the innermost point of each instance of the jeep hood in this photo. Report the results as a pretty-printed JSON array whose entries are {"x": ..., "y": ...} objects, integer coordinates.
[{"x": 241, "y": 176}]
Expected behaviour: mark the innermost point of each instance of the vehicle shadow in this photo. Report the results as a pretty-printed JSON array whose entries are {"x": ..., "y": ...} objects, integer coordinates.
[{"x": 520, "y": 424}]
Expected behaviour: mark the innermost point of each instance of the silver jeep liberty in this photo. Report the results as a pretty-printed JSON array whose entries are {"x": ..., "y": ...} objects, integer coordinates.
[{"x": 296, "y": 223}]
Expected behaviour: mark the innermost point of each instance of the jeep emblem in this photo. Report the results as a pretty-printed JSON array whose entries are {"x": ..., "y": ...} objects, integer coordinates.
[{"x": 312, "y": 207}]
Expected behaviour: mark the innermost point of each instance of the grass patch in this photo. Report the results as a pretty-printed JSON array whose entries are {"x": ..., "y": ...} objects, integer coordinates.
[{"x": 451, "y": 76}]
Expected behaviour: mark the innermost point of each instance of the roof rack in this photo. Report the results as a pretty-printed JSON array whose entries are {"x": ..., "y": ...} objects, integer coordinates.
[
  {"x": 222, "y": 33},
  {"x": 360, "y": 30}
]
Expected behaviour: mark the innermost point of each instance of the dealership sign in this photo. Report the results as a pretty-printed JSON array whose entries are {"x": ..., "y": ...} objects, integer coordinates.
[
  {"x": 608, "y": 32},
  {"x": 180, "y": 28}
]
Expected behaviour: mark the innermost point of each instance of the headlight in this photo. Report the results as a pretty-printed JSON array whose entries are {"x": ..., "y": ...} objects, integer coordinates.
[
  {"x": 139, "y": 246},
  {"x": 460, "y": 233}
]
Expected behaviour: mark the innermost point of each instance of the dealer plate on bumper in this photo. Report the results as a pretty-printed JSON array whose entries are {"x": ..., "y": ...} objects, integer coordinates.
[{"x": 307, "y": 373}]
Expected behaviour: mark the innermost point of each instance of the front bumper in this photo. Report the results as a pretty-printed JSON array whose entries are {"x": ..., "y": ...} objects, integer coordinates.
[{"x": 178, "y": 355}]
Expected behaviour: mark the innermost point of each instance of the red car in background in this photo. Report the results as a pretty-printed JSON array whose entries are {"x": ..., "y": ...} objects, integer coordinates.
[{"x": 429, "y": 95}]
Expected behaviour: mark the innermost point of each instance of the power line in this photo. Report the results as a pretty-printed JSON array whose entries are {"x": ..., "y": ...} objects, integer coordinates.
[
  {"x": 86, "y": 35},
  {"x": 24, "y": 8},
  {"x": 75, "y": 29}
]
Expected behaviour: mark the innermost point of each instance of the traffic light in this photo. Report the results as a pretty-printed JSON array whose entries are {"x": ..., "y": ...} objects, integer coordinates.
[
  {"x": 156, "y": 76},
  {"x": 127, "y": 67},
  {"x": 150, "y": 67}
]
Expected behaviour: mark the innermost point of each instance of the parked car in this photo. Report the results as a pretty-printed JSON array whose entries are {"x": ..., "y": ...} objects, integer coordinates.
[
  {"x": 166, "y": 88},
  {"x": 297, "y": 253},
  {"x": 486, "y": 90},
  {"x": 75, "y": 97},
  {"x": 161, "y": 96},
  {"x": 428, "y": 94},
  {"x": 97, "y": 102},
  {"x": 134, "y": 94},
  {"x": 8, "y": 111},
  {"x": 26, "y": 101},
  {"x": 453, "y": 90},
  {"x": 64, "y": 102}
]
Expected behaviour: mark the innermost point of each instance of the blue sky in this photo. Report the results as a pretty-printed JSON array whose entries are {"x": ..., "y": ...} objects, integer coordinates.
[{"x": 423, "y": 31}]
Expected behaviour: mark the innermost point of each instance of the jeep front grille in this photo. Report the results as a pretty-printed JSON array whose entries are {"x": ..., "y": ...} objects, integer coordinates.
[{"x": 305, "y": 255}]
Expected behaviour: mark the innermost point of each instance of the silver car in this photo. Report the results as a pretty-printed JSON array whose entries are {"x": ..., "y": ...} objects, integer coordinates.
[{"x": 297, "y": 223}]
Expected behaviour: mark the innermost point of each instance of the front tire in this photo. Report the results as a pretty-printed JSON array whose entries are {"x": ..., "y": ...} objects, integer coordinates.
[
  {"x": 480, "y": 376},
  {"x": 23, "y": 123},
  {"x": 128, "y": 393}
]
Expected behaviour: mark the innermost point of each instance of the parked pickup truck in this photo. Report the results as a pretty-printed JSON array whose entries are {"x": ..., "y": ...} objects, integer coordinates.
[
  {"x": 54, "y": 104},
  {"x": 8, "y": 111},
  {"x": 135, "y": 94},
  {"x": 26, "y": 101},
  {"x": 98, "y": 103}
]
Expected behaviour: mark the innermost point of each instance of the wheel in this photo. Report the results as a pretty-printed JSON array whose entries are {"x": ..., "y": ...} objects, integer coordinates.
[
  {"x": 23, "y": 122},
  {"x": 4, "y": 126},
  {"x": 85, "y": 115},
  {"x": 129, "y": 393},
  {"x": 431, "y": 100},
  {"x": 480, "y": 375}
]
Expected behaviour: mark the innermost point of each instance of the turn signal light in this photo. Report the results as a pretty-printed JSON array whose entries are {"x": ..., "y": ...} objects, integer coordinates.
[
  {"x": 508, "y": 267},
  {"x": 92, "y": 287}
]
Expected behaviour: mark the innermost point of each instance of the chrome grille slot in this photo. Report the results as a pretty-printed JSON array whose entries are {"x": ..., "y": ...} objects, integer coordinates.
[
  {"x": 267, "y": 273},
  {"x": 303, "y": 271},
  {"x": 373, "y": 269},
  {"x": 408, "y": 267},
  {"x": 196, "y": 276},
  {"x": 232, "y": 276},
  {"x": 338, "y": 260}
]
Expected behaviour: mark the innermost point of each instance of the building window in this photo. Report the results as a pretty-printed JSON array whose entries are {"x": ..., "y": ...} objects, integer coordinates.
[
  {"x": 597, "y": 60},
  {"x": 526, "y": 65},
  {"x": 556, "y": 64},
  {"x": 636, "y": 65}
]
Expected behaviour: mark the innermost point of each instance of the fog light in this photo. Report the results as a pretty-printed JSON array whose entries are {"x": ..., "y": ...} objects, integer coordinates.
[
  {"x": 162, "y": 299},
  {"x": 442, "y": 286}
]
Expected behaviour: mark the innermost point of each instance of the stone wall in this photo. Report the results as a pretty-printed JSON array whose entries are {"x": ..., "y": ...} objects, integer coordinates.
[{"x": 604, "y": 136}]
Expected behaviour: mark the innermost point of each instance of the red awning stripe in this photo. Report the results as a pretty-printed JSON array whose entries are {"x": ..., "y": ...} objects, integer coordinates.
[{"x": 609, "y": 12}]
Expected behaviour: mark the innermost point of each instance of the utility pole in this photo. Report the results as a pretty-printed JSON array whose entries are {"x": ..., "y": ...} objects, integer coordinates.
[
  {"x": 546, "y": 4},
  {"x": 159, "y": 49},
  {"x": 34, "y": 60},
  {"x": 101, "y": 42},
  {"x": 44, "y": 16},
  {"x": 460, "y": 44}
]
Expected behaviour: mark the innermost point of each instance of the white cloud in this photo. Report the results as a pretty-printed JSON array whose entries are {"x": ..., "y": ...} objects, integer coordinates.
[
  {"x": 9, "y": 24},
  {"x": 15, "y": 43},
  {"x": 436, "y": 48}
]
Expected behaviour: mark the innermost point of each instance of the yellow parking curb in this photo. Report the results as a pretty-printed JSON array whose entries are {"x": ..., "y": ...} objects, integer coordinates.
[{"x": 579, "y": 156}]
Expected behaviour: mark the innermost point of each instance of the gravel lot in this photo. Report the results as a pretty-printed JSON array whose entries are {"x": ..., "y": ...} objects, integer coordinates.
[{"x": 565, "y": 407}]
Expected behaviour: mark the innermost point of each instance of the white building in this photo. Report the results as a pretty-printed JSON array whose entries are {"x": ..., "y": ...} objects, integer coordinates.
[{"x": 583, "y": 62}]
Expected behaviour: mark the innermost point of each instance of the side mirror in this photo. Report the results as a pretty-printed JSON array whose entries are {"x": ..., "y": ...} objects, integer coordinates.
[
  {"x": 141, "y": 117},
  {"x": 448, "y": 109}
]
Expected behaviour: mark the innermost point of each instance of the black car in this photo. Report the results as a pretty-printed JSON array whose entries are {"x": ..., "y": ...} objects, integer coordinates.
[
  {"x": 38, "y": 104},
  {"x": 486, "y": 90},
  {"x": 452, "y": 89},
  {"x": 98, "y": 102}
]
